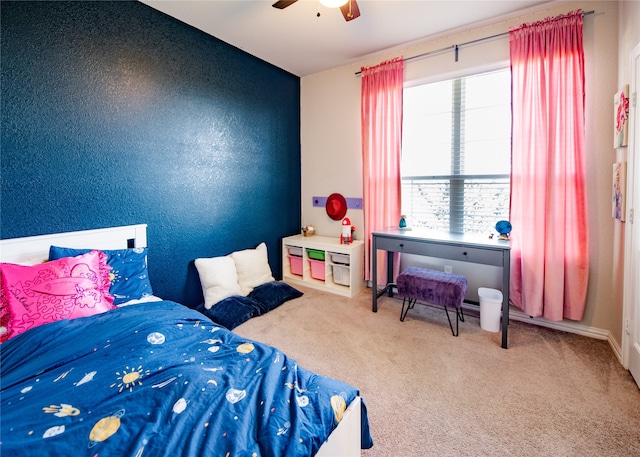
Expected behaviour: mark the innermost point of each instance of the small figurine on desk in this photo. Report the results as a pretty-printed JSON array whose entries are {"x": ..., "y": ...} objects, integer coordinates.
[
  {"x": 403, "y": 223},
  {"x": 503, "y": 228}
]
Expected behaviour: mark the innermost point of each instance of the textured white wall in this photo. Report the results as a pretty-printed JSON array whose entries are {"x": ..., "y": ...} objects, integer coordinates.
[
  {"x": 331, "y": 151},
  {"x": 629, "y": 38}
]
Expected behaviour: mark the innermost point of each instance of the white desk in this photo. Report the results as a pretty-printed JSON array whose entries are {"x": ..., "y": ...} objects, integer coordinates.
[{"x": 454, "y": 246}]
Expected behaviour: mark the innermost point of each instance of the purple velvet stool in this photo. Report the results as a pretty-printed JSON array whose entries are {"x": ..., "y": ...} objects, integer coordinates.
[{"x": 435, "y": 287}]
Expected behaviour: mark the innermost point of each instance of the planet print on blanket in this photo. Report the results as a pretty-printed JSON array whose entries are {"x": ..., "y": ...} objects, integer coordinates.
[
  {"x": 105, "y": 428},
  {"x": 180, "y": 405},
  {"x": 245, "y": 348},
  {"x": 155, "y": 338},
  {"x": 235, "y": 395}
]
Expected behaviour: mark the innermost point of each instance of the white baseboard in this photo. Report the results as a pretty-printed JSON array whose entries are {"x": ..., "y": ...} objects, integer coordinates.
[
  {"x": 570, "y": 327},
  {"x": 617, "y": 350},
  {"x": 565, "y": 326}
]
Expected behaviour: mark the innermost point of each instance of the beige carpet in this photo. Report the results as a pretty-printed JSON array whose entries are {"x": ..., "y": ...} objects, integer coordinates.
[{"x": 430, "y": 394}]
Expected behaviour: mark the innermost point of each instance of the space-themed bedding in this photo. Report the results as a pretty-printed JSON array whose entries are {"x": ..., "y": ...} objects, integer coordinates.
[{"x": 160, "y": 379}]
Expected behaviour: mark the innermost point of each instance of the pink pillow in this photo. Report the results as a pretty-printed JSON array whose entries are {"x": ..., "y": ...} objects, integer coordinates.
[{"x": 67, "y": 288}]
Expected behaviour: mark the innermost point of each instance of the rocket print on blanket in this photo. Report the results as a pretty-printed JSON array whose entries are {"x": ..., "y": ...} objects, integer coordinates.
[{"x": 61, "y": 410}]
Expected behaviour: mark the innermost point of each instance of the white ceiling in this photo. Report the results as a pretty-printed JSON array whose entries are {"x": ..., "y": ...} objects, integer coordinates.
[{"x": 298, "y": 41}]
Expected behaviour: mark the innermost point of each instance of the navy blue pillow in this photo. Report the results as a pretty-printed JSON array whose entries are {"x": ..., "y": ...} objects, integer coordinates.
[
  {"x": 272, "y": 294},
  {"x": 128, "y": 275},
  {"x": 231, "y": 311}
]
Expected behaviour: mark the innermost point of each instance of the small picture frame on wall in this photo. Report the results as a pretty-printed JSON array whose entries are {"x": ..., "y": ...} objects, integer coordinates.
[
  {"x": 621, "y": 117},
  {"x": 619, "y": 205}
]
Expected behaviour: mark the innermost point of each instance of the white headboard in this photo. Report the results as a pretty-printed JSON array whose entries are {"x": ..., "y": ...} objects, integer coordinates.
[{"x": 33, "y": 248}]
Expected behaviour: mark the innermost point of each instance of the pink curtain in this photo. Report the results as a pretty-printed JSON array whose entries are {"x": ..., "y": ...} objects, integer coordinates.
[
  {"x": 550, "y": 242},
  {"x": 381, "y": 117}
]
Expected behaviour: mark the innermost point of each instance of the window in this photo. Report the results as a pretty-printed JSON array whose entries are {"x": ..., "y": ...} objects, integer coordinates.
[{"x": 456, "y": 153}]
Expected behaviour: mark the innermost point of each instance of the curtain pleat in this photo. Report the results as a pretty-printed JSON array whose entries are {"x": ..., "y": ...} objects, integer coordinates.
[
  {"x": 381, "y": 117},
  {"x": 550, "y": 240}
]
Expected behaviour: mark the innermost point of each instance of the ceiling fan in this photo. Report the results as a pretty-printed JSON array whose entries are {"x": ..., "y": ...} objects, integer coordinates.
[{"x": 349, "y": 8}]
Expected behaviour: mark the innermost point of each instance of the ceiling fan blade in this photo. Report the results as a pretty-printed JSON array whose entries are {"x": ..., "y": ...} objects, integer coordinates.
[
  {"x": 282, "y": 4},
  {"x": 350, "y": 10}
]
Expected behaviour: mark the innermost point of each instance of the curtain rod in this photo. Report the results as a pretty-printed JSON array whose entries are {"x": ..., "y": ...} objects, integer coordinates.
[{"x": 456, "y": 47}]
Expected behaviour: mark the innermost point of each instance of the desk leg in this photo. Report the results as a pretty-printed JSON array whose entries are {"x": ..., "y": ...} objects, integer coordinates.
[
  {"x": 374, "y": 275},
  {"x": 506, "y": 271},
  {"x": 388, "y": 288},
  {"x": 390, "y": 272}
]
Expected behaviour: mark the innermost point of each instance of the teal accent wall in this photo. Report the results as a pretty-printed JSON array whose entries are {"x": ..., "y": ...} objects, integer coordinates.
[{"x": 114, "y": 113}]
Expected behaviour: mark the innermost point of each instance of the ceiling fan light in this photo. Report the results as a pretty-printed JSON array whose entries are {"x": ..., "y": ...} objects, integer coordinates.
[{"x": 333, "y": 3}]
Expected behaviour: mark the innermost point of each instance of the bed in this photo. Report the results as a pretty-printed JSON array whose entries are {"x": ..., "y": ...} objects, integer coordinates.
[{"x": 157, "y": 378}]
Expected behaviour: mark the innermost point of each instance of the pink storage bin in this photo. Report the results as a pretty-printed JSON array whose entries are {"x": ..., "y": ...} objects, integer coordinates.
[
  {"x": 317, "y": 269},
  {"x": 296, "y": 265}
]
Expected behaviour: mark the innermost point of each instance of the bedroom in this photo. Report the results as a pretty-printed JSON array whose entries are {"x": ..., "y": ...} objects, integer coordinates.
[{"x": 208, "y": 154}]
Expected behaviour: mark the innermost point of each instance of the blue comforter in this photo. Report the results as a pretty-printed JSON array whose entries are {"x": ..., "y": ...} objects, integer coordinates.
[{"x": 159, "y": 379}]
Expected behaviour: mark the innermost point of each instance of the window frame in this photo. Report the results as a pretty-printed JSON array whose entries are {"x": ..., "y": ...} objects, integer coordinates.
[{"x": 457, "y": 180}]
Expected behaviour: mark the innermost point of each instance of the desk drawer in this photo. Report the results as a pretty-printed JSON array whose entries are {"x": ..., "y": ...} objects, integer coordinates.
[{"x": 442, "y": 250}]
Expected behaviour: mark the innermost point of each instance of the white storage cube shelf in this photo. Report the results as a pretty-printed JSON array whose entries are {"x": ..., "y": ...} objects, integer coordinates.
[{"x": 342, "y": 265}]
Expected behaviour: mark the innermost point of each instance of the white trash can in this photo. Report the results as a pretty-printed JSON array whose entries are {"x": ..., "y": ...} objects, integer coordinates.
[{"x": 490, "y": 309}]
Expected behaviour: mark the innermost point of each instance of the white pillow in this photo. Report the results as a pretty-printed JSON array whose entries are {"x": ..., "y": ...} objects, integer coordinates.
[
  {"x": 218, "y": 278},
  {"x": 253, "y": 268}
]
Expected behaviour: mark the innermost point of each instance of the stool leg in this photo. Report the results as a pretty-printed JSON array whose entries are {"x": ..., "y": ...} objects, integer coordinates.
[
  {"x": 459, "y": 310},
  {"x": 403, "y": 311},
  {"x": 451, "y": 325}
]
